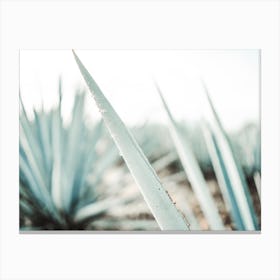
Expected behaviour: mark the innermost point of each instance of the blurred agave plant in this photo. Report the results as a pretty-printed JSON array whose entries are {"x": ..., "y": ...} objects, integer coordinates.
[
  {"x": 230, "y": 175},
  {"x": 60, "y": 168}
]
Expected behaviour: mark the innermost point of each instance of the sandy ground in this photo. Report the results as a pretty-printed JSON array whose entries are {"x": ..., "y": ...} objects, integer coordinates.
[{"x": 135, "y": 215}]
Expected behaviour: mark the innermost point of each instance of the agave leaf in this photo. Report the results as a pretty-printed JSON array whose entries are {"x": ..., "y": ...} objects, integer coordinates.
[
  {"x": 57, "y": 175},
  {"x": 175, "y": 177},
  {"x": 26, "y": 175},
  {"x": 30, "y": 173},
  {"x": 193, "y": 171},
  {"x": 105, "y": 162},
  {"x": 56, "y": 128},
  {"x": 73, "y": 151},
  {"x": 87, "y": 160},
  {"x": 154, "y": 194},
  {"x": 42, "y": 135},
  {"x": 101, "y": 206},
  {"x": 223, "y": 177},
  {"x": 24, "y": 207},
  {"x": 234, "y": 170},
  {"x": 257, "y": 180},
  {"x": 30, "y": 162},
  {"x": 28, "y": 140},
  {"x": 164, "y": 161}
]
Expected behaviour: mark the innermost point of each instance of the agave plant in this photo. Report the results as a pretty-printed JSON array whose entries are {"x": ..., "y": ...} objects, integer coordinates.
[
  {"x": 230, "y": 173},
  {"x": 81, "y": 176},
  {"x": 61, "y": 168}
]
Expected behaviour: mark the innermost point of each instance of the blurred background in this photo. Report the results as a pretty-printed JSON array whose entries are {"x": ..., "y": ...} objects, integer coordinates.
[{"x": 71, "y": 174}]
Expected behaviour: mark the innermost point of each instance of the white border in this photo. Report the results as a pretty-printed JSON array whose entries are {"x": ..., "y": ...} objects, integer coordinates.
[{"x": 140, "y": 25}]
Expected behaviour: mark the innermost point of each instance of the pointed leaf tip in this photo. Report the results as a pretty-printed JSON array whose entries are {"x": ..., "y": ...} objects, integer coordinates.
[{"x": 163, "y": 209}]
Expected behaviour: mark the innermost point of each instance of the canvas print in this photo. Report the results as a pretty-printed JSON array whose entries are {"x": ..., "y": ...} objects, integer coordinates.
[{"x": 139, "y": 140}]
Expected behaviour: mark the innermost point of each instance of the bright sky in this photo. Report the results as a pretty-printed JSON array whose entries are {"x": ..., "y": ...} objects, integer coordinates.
[{"x": 126, "y": 78}]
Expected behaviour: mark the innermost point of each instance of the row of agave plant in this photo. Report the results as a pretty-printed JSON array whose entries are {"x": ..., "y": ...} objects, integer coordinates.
[{"x": 73, "y": 178}]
